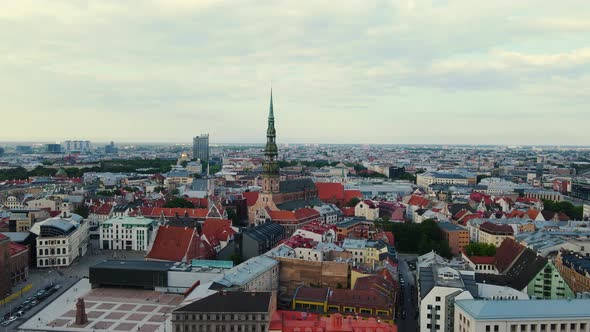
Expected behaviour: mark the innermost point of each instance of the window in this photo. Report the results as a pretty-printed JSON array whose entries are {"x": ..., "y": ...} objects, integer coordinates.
[
  {"x": 438, "y": 299},
  {"x": 496, "y": 328},
  {"x": 488, "y": 329}
]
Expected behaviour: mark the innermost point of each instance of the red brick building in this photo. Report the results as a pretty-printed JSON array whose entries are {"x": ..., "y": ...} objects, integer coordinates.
[{"x": 5, "y": 284}]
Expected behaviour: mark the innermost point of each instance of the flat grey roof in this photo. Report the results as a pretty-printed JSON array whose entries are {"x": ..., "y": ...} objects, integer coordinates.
[{"x": 119, "y": 264}]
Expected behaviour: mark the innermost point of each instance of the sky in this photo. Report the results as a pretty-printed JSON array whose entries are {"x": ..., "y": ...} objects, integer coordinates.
[{"x": 390, "y": 72}]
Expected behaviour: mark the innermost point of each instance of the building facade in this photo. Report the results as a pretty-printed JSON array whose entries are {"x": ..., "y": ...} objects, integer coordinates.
[
  {"x": 126, "y": 233},
  {"x": 522, "y": 316},
  {"x": 456, "y": 236},
  {"x": 575, "y": 270},
  {"x": 226, "y": 311},
  {"x": 201, "y": 148},
  {"x": 60, "y": 241}
]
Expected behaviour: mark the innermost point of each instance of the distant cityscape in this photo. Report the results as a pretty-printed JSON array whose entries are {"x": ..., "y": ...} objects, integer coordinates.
[{"x": 286, "y": 237}]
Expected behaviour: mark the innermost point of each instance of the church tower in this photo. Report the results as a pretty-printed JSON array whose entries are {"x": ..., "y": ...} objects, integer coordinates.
[{"x": 270, "y": 166}]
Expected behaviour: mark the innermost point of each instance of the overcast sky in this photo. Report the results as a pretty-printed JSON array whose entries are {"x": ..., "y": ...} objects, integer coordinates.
[{"x": 399, "y": 71}]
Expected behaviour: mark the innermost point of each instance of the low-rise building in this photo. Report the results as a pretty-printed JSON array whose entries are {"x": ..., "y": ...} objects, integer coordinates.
[
  {"x": 522, "y": 315},
  {"x": 126, "y": 233},
  {"x": 371, "y": 296},
  {"x": 365, "y": 251},
  {"x": 226, "y": 311},
  {"x": 330, "y": 213},
  {"x": 21, "y": 220},
  {"x": 289, "y": 321},
  {"x": 367, "y": 209},
  {"x": 575, "y": 270},
  {"x": 60, "y": 240},
  {"x": 438, "y": 288},
  {"x": 258, "y": 274},
  {"x": 490, "y": 233},
  {"x": 456, "y": 236},
  {"x": 428, "y": 178}
]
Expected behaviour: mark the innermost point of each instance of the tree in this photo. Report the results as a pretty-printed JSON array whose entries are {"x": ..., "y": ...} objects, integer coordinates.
[
  {"x": 480, "y": 249},
  {"x": 178, "y": 202},
  {"x": 574, "y": 212},
  {"x": 233, "y": 216},
  {"x": 353, "y": 202},
  {"x": 184, "y": 163},
  {"x": 236, "y": 258},
  {"x": 82, "y": 210}
]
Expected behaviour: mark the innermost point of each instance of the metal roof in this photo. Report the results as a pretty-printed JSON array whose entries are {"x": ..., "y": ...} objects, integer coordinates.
[
  {"x": 526, "y": 309},
  {"x": 249, "y": 270}
]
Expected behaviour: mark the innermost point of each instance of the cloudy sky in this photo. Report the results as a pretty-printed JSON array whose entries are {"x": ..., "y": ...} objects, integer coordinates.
[{"x": 398, "y": 71}]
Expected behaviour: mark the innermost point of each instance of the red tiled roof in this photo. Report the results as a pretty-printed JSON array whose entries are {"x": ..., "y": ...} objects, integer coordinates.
[
  {"x": 102, "y": 209},
  {"x": 330, "y": 191},
  {"x": 198, "y": 202},
  {"x": 16, "y": 248},
  {"x": 416, "y": 200},
  {"x": 251, "y": 197},
  {"x": 506, "y": 253},
  {"x": 217, "y": 229},
  {"x": 347, "y": 211},
  {"x": 292, "y": 321},
  {"x": 532, "y": 214},
  {"x": 460, "y": 214},
  {"x": 483, "y": 259},
  {"x": 179, "y": 244},
  {"x": 306, "y": 213},
  {"x": 350, "y": 194},
  {"x": 281, "y": 215},
  {"x": 496, "y": 228}
]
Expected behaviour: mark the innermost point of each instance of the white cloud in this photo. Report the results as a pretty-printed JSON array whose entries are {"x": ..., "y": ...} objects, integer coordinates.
[{"x": 212, "y": 61}]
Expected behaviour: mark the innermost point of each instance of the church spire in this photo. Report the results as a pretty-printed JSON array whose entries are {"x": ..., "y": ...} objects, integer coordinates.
[
  {"x": 270, "y": 166},
  {"x": 271, "y": 114},
  {"x": 271, "y": 150}
]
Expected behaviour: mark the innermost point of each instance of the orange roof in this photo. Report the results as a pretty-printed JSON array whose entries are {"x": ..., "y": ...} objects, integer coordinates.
[
  {"x": 532, "y": 213},
  {"x": 251, "y": 197},
  {"x": 179, "y": 244},
  {"x": 304, "y": 213},
  {"x": 281, "y": 215},
  {"x": 291, "y": 321},
  {"x": 217, "y": 229},
  {"x": 418, "y": 201},
  {"x": 330, "y": 190},
  {"x": 350, "y": 194}
]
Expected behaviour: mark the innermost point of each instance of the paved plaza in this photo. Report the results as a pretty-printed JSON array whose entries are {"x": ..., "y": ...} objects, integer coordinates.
[{"x": 108, "y": 309}]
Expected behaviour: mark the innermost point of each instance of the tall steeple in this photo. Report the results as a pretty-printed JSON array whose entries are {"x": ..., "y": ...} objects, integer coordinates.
[
  {"x": 270, "y": 166},
  {"x": 271, "y": 149}
]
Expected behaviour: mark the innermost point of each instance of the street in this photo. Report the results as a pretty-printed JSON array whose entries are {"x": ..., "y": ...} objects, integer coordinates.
[{"x": 409, "y": 324}]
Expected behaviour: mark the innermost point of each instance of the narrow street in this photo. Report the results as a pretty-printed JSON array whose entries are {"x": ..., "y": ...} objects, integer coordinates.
[{"x": 409, "y": 324}]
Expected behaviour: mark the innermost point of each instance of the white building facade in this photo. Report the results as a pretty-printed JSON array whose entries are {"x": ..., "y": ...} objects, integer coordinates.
[
  {"x": 60, "y": 241},
  {"x": 126, "y": 233}
]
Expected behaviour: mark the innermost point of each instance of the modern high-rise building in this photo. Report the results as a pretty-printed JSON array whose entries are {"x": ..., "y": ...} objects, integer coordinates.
[
  {"x": 201, "y": 147},
  {"x": 54, "y": 148},
  {"x": 76, "y": 146}
]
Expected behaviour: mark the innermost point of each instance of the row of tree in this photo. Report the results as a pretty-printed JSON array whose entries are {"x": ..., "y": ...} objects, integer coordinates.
[
  {"x": 574, "y": 212},
  {"x": 418, "y": 238},
  {"x": 151, "y": 166}
]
